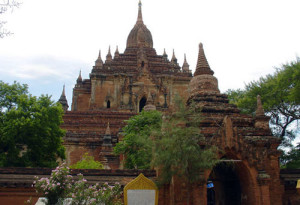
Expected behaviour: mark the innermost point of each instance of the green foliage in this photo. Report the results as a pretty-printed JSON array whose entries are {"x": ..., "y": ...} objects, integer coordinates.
[
  {"x": 30, "y": 133},
  {"x": 172, "y": 143},
  {"x": 136, "y": 144},
  {"x": 280, "y": 95},
  {"x": 291, "y": 160},
  {"x": 180, "y": 148},
  {"x": 87, "y": 162}
]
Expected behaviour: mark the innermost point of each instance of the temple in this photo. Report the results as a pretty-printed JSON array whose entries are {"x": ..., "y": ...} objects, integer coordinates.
[
  {"x": 124, "y": 84},
  {"x": 118, "y": 88}
]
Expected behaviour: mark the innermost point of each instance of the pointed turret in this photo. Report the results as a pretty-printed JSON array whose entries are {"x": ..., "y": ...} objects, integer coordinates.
[
  {"x": 261, "y": 120},
  {"x": 79, "y": 79},
  {"x": 165, "y": 54},
  {"x": 202, "y": 64},
  {"x": 185, "y": 66},
  {"x": 140, "y": 16},
  {"x": 117, "y": 54},
  {"x": 99, "y": 61},
  {"x": 106, "y": 153},
  {"x": 174, "y": 59},
  {"x": 107, "y": 137},
  {"x": 203, "y": 81},
  {"x": 108, "y": 56},
  {"x": 63, "y": 100}
]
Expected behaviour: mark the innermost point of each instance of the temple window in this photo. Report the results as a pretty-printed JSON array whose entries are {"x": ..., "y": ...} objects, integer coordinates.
[{"x": 142, "y": 103}]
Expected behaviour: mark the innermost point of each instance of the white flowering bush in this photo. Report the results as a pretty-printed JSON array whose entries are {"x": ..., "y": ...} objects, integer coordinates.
[{"x": 62, "y": 185}]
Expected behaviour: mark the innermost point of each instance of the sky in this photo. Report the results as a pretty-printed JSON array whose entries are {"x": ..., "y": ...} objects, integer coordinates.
[{"x": 54, "y": 39}]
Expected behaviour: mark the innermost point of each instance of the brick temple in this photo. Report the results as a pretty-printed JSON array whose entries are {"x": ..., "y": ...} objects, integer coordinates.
[
  {"x": 122, "y": 85},
  {"x": 117, "y": 89}
]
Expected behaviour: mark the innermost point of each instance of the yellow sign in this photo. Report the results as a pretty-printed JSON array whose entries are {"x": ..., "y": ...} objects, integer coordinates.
[
  {"x": 141, "y": 191},
  {"x": 298, "y": 184}
]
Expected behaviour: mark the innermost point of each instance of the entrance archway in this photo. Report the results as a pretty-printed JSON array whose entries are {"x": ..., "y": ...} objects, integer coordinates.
[
  {"x": 142, "y": 104},
  {"x": 231, "y": 183},
  {"x": 223, "y": 187}
]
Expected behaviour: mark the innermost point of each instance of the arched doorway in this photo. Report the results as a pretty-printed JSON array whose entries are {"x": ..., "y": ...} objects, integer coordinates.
[
  {"x": 223, "y": 187},
  {"x": 142, "y": 104},
  {"x": 108, "y": 104},
  {"x": 231, "y": 183}
]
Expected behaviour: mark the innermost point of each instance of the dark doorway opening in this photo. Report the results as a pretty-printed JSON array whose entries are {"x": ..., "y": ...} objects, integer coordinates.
[
  {"x": 143, "y": 64},
  {"x": 142, "y": 103},
  {"x": 226, "y": 188},
  {"x": 108, "y": 104}
]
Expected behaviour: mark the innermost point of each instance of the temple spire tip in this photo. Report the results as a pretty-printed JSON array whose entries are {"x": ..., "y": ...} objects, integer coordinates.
[{"x": 140, "y": 16}]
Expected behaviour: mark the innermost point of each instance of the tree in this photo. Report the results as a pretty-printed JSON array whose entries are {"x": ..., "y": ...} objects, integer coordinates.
[
  {"x": 291, "y": 159},
  {"x": 172, "y": 144},
  {"x": 137, "y": 145},
  {"x": 180, "y": 149},
  {"x": 6, "y": 5},
  {"x": 87, "y": 162},
  {"x": 280, "y": 94},
  {"x": 30, "y": 133}
]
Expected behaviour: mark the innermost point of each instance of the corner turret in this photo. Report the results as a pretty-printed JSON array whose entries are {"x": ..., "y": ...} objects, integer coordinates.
[
  {"x": 185, "y": 66},
  {"x": 99, "y": 62},
  {"x": 203, "y": 81},
  {"x": 108, "y": 56},
  {"x": 63, "y": 100},
  {"x": 117, "y": 54}
]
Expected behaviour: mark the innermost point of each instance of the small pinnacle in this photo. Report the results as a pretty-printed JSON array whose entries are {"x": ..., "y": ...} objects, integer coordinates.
[
  {"x": 117, "y": 52},
  {"x": 109, "y": 50},
  {"x": 99, "y": 61},
  {"x": 165, "y": 52},
  {"x": 185, "y": 66},
  {"x": 108, "y": 56},
  {"x": 173, "y": 56},
  {"x": 107, "y": 132},
  {"x": 63, "y": 92},
  {"x": 79, "y": 79},
  {"x": 200, "y": 45},
  {"x": 63, "y": 100},
  {"x": 259, "y": 110}
]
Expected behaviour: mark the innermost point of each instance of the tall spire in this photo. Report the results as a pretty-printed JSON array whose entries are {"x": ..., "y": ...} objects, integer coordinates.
[
  {"x": 202, "y": 64},
  {"x": 140, "y": 16},
  {"x": 99, "y": 61}
]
